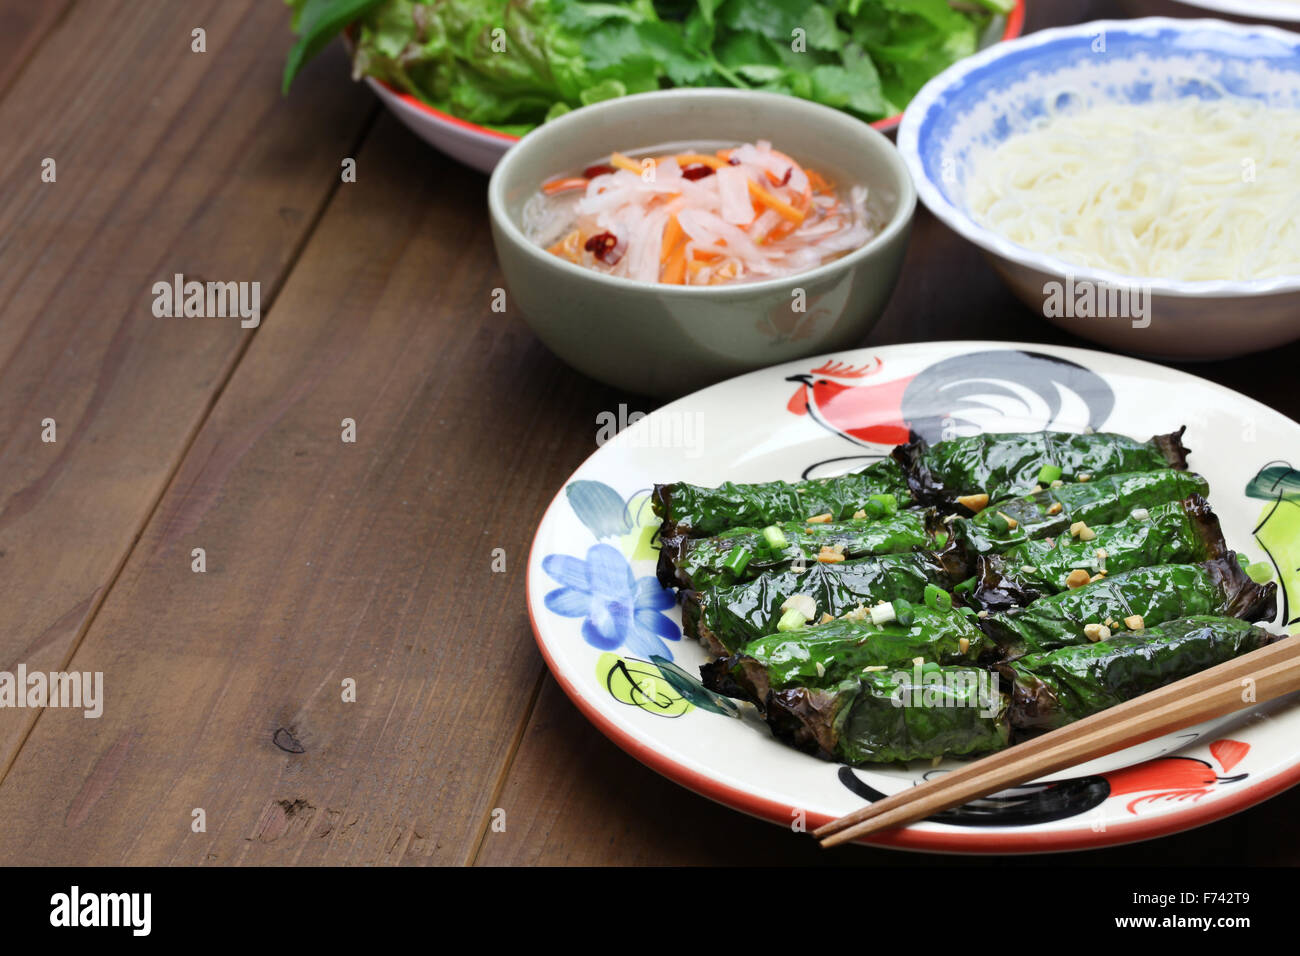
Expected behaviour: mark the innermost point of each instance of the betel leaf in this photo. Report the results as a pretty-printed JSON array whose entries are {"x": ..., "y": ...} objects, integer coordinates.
[{"x": 318, "y": 22}]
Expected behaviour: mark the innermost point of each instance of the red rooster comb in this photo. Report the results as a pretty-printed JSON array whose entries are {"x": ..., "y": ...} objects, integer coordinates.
[{"x": 844, "y": 370}]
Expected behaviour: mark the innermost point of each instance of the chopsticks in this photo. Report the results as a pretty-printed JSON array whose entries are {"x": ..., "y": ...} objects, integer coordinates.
[{"x": 1273, "y": 670}]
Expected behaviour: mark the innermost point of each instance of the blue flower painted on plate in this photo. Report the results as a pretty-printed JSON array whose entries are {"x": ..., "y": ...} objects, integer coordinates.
[{"x": 619, "y": 609}]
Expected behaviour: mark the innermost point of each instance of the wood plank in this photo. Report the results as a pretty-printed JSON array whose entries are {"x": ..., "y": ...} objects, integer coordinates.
[
  {"x": 167, "y": 161},
  {"x": 328, "y": 561},
  {"x": 22, "y": 27}
]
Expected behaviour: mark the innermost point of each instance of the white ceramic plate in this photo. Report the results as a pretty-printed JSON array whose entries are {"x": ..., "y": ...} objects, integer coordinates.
[{"x": 600, "y": 616}]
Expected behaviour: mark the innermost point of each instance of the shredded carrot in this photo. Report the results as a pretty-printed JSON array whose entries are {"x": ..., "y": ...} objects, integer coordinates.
[
  {"x": 693, "y": 159},
  {"x": 818, "y": 182},
  {"x": 782, "y": 208},
  {"x": 619, "y": 161},
  {"x": 674, "y": 271},
  {"x": 672, "y": 236},
  {"x": 564, "y": 185},
  {"x": 705, "y": 254},
  {"x": 567, "y": 248}
]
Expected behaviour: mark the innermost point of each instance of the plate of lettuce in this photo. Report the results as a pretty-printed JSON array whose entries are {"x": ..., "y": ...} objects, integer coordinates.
[{"x": 472, "y": 76}]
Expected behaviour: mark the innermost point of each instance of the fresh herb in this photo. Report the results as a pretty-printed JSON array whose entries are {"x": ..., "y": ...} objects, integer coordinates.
[{"x": 512, "y": 65}]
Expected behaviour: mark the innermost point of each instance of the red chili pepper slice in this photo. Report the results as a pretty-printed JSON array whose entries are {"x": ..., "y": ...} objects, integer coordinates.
[
  {"x": 601, "y": 245},
  {"x": 695, "y": 171}
]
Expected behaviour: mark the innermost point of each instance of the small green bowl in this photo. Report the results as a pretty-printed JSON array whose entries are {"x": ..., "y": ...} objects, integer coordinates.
[{"x": 666, "y": 340}]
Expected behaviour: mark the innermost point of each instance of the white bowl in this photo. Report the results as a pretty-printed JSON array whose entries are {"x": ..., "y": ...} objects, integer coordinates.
[
  {"x": 981, "y": 100},
  {"x": 1259, "y": 9}
]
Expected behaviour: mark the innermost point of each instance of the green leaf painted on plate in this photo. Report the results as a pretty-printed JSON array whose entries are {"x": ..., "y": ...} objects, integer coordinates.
[
  {"x": 691, "y": 689},
  {"x": 1274, "y": 481},
  {"x": 599, "y": 507},
  {"x": 641, "y": 684}
]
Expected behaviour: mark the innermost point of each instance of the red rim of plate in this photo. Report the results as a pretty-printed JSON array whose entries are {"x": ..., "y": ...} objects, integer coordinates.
[
  {"x": 909, "y": 838},
  {"x": 1015, "y": 24}
]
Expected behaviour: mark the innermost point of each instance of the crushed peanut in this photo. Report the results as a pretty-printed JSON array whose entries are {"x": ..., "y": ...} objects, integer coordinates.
[
  {"x": 1058, "y": 483},
  {"x": 1012, "y": 523},
  {"x": 823, "y": 518},
  {"x": 859, "y": 513},
  {"x": 859, "y": 613},
  {"x": 975, "y": 503},
  {"x": 963, "y": 645},
  {"x": 1134, "y": 622},
  {"x": 1096, "y": 632},
  {"x": 1084, "y": 478},
  {"x": 982, "y": 614},
  {"x": 1077, "y": 578},
  {"x": 826, "y": 618},
  {"x": 1054, "y": 508},
  {"x": 821, "y": 669},
  {"x": 1076, "y": 528}
]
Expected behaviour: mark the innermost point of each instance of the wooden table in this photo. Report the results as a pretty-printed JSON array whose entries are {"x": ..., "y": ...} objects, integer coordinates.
[{"x": 326, "y": 561}]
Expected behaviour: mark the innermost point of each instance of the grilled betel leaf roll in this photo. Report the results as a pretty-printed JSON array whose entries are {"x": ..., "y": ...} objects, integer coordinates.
[
  {"x": 1002, "y": 465},
  {"x": 698, "y": 512},
  {"x": 1048, "y": 513},
  {"x": 1132, "y": 601},
  {"x": 727, "y": 618},
  {"x": 826, "y": 654},
  {"x": 1054, "y": 688},
  {"x": 894, "y": 715},
  {"x": 742, "y": 554},
  {"x": 1175, "y": 532}
]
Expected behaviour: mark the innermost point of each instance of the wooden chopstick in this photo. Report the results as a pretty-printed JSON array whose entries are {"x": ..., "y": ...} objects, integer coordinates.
[{"x": 1275, "y": 671}]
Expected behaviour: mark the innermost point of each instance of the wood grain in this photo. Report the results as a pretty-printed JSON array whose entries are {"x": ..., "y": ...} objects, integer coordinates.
[
  {"x": 329, "y": 561},
  {"x": 167, "y": 161},
  {"x": 22, "y": 28}
]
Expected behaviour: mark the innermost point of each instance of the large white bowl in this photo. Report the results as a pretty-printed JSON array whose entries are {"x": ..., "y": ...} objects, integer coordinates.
[
  {"x": 1259, "y": 9},
  {"x": 983, "y": 100}
]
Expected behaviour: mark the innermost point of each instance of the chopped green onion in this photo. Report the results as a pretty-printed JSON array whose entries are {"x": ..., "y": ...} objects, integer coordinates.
[
  {"x": 791, "y": 620},
  {"x": 1243, "y": 560},
  {"x": 775, "y": 538},
  {"x": 929, "y": 666},
  {"x": 999, "y": 523},
  {"x": 968, "y": 611},
  {"x": 1048, "y": 474},
  {"x": 887, "y": 501},
  {"x": 873, "y": 508},
  {"x": 737, "y": 560},
  {"x": 904, "y": 612},
  {"x": 966, "y": 587},
  {"x": 937, "y": 599},
  {"x": 941, "y": 539},
  {"x": 1261, "y": 572},
  {"x": 883, "y": 614}
]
